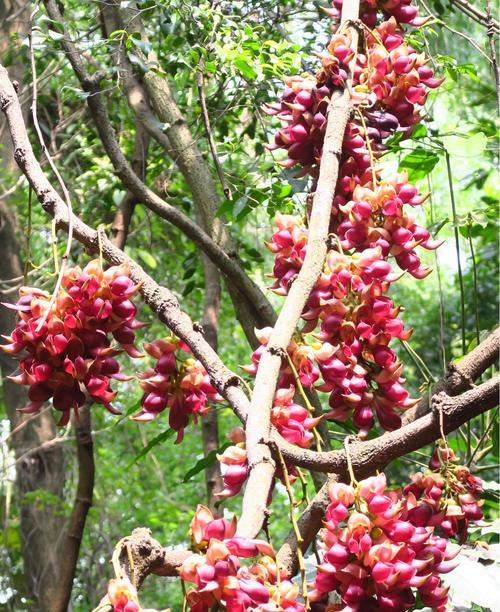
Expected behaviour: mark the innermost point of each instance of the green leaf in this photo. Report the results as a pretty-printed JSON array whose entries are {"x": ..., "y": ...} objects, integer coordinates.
[
  {"x": 201, "y": 464},
  {"x": 419, "y": 163},
  {"x": 147, "y": 258},
  {"x": 164, "y": 435},
  {"x": 419, "y": 131},
  {"x": 245, "y": 68}
]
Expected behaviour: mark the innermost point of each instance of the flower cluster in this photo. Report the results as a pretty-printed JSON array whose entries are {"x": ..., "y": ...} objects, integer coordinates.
[
  {"x": 64, "y": 348},
  {"x": 376, "y": 555},
  {"x": 219, "y": 577},
  {"x": 349, "y": 311},
  {"x": 357, "y": 321},
  {"x": 180, "y": 384},
  {"x": 291, "y": 420},
  {"x": 375, "y": 217},
  {"x": 446, "y": 498},
  {"x": 390, "y": 84}
]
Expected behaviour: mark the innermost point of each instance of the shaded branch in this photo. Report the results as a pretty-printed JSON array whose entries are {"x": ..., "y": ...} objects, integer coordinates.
[
  {"x": 473, "y": 13},
  {"x": 83, "y": 501},
  {"x": 123, "y": 216},
  {"x": 461, "y": 375},
  {"x": 372, "y": 455},
  {"x": 148, "y": 557}
]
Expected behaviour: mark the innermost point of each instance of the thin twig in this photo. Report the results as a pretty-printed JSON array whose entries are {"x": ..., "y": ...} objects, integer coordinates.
[
  {"x": 210, "y": 136},
  {"x": 491, "y": 32}
]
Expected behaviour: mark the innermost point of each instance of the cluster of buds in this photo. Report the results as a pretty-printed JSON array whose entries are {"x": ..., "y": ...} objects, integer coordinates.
[
  {"x": 302, "y": 112},
  {"x": 375, "y": 217},
  {"x": 178, "y": 383},
  {"x": 375, "y": 555},
  {"x": 292, "y": 421},
  {"x": 219, "y": 577},
  {"x": 396, "y": 74},
  {"x": 445, "y": 498},
  {"x": 122, "y": 595},
  {"x": 65, "y": 348}
]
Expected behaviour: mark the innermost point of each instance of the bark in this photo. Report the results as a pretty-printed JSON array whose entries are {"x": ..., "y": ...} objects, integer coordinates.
[
  {"x": 209, "y": 422},
  {"x": 258, "y": 423},
  {"x": 83, "y": 500},
  {"x": 42, "y": 471},
  {"x": 123, "y": 216}
]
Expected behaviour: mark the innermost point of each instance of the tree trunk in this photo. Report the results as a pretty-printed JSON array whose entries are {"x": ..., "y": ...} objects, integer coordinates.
[{"x": 39, "y": 475}]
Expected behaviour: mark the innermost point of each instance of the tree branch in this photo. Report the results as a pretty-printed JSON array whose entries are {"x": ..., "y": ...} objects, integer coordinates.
[
  {"x": 375, "y": 456},
  {"x": 258, "y": 423},
  {"x": 473, "y": 13},
  {"x": 160, "y": 299},
  {"x": 461, "y": 374},
  {"x": 123, "y": 216}
]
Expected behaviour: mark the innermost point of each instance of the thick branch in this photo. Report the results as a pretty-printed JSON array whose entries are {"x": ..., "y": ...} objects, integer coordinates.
[
  {"x": 461, "y": 374},
  {"x": 375, "y": 454},
  {"x": 123, "y": 216},
  {"x": 258, "y": 421},
  {"x": 148, "y": 557}
]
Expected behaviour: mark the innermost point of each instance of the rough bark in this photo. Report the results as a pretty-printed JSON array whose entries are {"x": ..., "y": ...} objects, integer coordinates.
[
  {"x": 70, "y": 546},
  {"x": 258, "y": 423}
]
